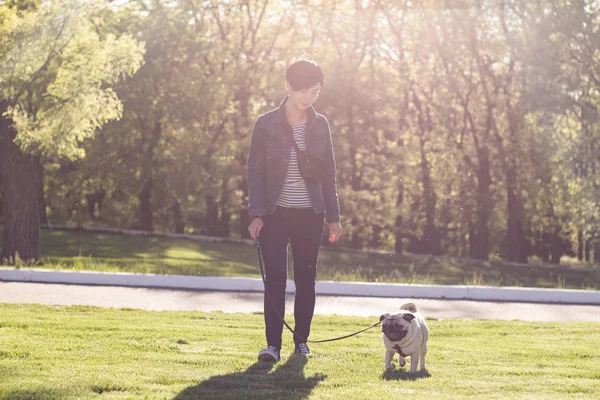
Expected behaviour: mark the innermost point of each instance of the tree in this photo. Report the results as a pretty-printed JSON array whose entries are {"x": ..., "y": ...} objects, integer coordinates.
[{"x": 55, "y": 77}]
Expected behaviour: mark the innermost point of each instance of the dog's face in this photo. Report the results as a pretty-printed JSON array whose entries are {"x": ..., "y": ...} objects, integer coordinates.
[{"x": 395, "y": 326}]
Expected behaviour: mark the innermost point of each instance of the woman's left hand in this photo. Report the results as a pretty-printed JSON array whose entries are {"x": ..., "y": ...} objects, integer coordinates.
[{"x": 335, "y": 231}]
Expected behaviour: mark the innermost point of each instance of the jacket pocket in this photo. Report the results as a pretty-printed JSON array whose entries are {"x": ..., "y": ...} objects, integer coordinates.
[
  {"x": 272, "y": 147},
  {"x": 316, "y": 146}
]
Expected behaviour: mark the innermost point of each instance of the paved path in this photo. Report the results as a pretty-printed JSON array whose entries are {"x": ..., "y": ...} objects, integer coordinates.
[{"x": 169, "y": 299}]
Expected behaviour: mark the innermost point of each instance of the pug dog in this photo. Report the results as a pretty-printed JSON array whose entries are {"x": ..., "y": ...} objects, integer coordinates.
[{"x": 405, "y": 333}]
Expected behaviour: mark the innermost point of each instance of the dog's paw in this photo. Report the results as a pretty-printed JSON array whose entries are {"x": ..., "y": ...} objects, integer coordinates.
[
  {"x": 390, "y": 367},
  {"x": 402, "y": 363}
]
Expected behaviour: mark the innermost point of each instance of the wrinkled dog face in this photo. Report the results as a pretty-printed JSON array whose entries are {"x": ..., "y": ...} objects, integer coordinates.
[{"x": 395, "y": 327}]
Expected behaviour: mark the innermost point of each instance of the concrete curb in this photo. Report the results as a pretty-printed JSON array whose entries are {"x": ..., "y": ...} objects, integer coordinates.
[{"x": 367, "y": 289}]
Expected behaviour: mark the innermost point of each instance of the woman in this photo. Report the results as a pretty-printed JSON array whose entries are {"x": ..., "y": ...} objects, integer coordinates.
[{"x": 285, "y": 207}]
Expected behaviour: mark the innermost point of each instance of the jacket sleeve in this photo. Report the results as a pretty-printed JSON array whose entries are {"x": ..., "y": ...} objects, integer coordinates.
[
  {"x": 256, "y": 175},
  {"x": 329, "y": 181}
]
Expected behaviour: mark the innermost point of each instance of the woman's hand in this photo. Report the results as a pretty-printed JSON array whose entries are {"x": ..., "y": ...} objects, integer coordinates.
[
  {"x": 335, "y": 231},
  {"x": 255, "y": 227}
]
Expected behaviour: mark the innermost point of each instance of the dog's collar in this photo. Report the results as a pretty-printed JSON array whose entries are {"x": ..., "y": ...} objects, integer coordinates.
[{"x": 399, "y": 350}]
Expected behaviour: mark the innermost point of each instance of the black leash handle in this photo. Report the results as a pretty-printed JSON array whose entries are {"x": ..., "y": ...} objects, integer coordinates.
[{"x": 262, "y": 273}]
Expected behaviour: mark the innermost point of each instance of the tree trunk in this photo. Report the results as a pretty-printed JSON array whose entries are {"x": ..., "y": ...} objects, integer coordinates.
[
  {"x": 242, "y": 157},
  {"x": 588, "y": 251},
  {"x": 224, "y": 219},
  {"x": 398, "y": 246},
  {"x": 244, "y": 217},
  {"x": 91, "y": 205},
  {"x": 211, "y": 216},
  {"x": 479, "y": 233},
  {"x": 517, "y": 246},
  {"x": 398, "y": 228},
  {"x": 39, "y": 181},
  {"x": 177, "y": 217},
  {"x": 355, "y": 242},
  {"x": 472, "y": 240},
  {"x": 145, "y": 196},
  {"x": 146, "y": 206},
  {"x": 518, "y": 249},
  {"x": 224, "y": 214},
  {"x": 94, "y": 199},
  {"x": 375, "y": 241},
  {"x": 19, "y": 198},
  {"x": 431, "y": 241},
  {"x": 353, "y": 146},
  {"x": 580, "y": 245},
  {"x": 556, "y": 249},
  {"x": 545, "y": 244}
]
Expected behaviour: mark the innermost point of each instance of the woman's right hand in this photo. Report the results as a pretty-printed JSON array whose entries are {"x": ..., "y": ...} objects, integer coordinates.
[{"x": 255, "y": 227}]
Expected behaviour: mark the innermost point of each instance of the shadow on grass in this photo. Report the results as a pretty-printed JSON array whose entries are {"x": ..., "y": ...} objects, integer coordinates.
[
  {"x": 401, "y": 375},
  {"x": 41, "y": 393},
  {"x": 287, "y": 381}
]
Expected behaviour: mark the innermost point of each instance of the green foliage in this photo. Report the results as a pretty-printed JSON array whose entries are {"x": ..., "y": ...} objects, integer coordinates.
[
  {"x": 56, "y": 73},
  {"x": 450, "y": 123},
  {"x": 17, "y": 262}
]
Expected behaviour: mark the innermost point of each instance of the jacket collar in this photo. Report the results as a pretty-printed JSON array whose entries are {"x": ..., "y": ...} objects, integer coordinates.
[{"x": 311, "y": 114}]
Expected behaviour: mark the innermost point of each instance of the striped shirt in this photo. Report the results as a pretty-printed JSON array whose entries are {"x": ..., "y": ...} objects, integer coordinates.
[{"x": 294, "y": 193}]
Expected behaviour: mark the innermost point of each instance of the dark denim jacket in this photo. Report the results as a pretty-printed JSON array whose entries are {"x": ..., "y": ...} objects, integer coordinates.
[{"x": 269, "y": 157}]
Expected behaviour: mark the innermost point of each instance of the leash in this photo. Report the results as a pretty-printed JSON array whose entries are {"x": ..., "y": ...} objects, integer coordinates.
[{"x": 262, "y": 273}]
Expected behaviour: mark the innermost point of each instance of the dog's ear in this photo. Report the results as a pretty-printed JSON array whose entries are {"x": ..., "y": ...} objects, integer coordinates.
[
  {"x": 384, "y": 316},
  {"x": 408, "y": 316}
]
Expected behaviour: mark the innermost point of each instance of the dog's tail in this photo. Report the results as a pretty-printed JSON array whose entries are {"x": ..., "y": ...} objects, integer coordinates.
[{"x": 409, "y": 307}]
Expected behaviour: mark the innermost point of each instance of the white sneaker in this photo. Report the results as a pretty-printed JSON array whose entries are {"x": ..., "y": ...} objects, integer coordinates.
[{"x": 270, "y": 354}]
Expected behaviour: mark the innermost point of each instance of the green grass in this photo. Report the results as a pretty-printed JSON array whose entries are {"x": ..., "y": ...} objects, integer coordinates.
[
  {"x": 158, "y": 255},
  {"x": 87, "y": 352}
]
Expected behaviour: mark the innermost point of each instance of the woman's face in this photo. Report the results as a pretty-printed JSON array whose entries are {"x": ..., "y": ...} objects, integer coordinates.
[{"x": 303, "y": 98}]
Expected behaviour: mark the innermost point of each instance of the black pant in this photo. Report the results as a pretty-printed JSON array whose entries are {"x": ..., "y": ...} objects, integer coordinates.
[{"x": 302, "y": 228}]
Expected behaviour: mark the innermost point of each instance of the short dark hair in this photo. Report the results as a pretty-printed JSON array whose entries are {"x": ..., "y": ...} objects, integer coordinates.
[{"x": 304, "y": 74}]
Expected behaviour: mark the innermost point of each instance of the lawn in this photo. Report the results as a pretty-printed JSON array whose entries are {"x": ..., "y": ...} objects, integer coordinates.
[
  {"x": 160, "y": 255},
  {"x": 87, "y": 352}
]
